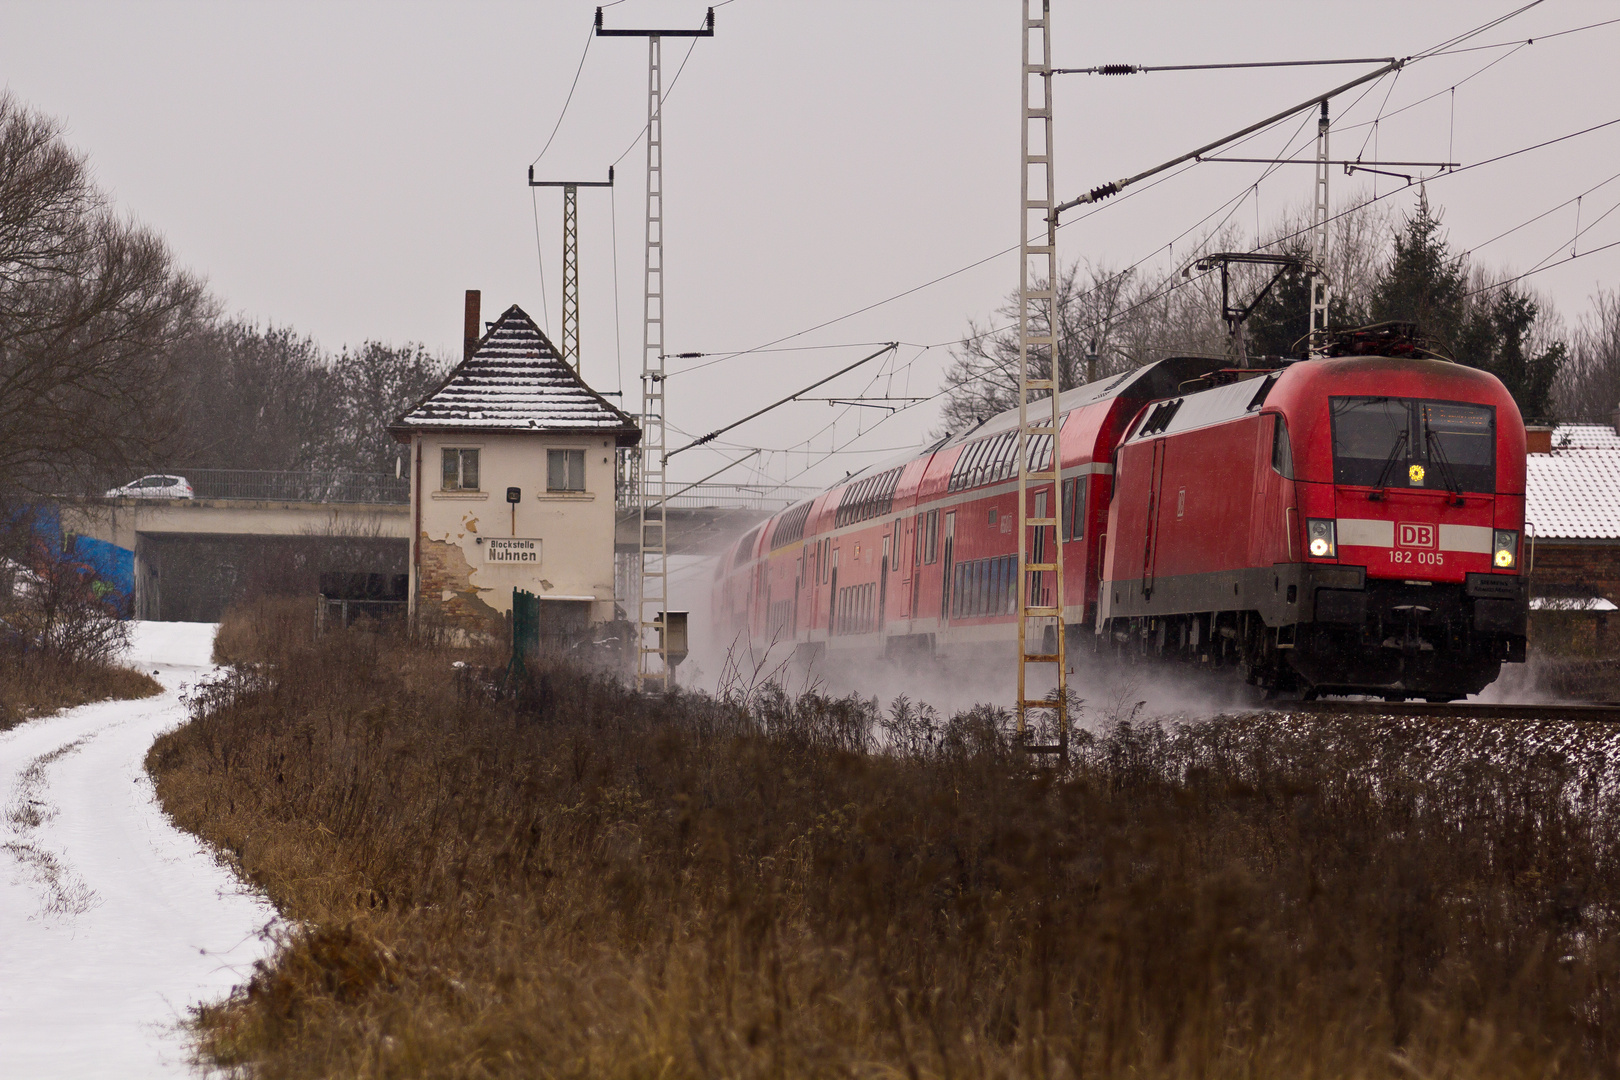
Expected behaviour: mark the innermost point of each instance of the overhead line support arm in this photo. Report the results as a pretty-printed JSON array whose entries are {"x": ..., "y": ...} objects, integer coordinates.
[
  {"x": 700, "y": 440},
  {"x": 1097, "y": 194},
  {"x": 1139, "y": 69},
  {"x": 706, "y": 31}
]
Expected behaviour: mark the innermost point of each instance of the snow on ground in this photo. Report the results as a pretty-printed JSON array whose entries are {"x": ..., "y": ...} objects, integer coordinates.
[{"x": 112, "y": 921}]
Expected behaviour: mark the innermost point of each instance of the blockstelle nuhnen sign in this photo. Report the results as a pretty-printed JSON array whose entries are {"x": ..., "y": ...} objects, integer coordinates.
[{"x": 515, "y": 550}]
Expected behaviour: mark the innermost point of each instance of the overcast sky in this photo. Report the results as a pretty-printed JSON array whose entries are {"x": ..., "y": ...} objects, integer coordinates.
[{"x": 349, "y": 169}]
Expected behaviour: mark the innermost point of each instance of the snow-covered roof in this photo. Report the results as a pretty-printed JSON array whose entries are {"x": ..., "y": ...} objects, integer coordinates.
[
  {"x": 1573, "y": 495},
  {"x": 517, "y": 381},
  {"x": 1585, "y": 437}
]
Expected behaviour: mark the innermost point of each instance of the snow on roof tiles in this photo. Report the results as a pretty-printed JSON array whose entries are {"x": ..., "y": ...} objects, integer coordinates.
[
  {"x": 1574, "y": 495},
  {"x": 516, "y": 381},
  {"x": 1585, "y": 437}
]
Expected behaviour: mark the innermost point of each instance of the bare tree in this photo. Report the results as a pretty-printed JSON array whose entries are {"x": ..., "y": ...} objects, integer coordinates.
[
  {"x": 255, "y": 398},
  {"x": 91, "y": 306},
  {"x": 1099, "y": 311},
  {"x": 377, "y": 382},
  {"x": 1588, "y": 388},
  {"x": 1124, "y": 318}
]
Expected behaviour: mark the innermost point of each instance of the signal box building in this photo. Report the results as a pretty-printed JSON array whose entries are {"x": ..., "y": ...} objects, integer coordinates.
[{"x": 512, "y": 485}]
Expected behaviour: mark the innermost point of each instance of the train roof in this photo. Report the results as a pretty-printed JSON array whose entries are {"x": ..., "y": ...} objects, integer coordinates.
[{"x": 1149, "y": 382}]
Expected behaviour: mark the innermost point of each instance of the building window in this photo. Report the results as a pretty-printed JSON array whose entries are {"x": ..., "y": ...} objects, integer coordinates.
[
  {"x": 460, "y": 469},
  {"x": 565, "y": 470}
]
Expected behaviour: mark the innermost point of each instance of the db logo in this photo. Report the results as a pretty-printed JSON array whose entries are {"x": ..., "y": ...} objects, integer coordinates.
[{"x": 1414, "y": 536}]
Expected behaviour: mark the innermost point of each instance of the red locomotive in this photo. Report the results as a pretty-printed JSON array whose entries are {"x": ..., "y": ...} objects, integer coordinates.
[{"x": 1346, "y": 525}]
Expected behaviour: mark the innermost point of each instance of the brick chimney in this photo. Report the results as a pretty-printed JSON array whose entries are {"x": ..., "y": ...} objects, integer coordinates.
[
  {"x": 470, "y": 332},
  {"x": 1537, "y": 439}
]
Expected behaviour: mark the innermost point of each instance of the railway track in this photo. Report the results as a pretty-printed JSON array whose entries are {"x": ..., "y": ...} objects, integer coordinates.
[{"x": 1587, "y": 712}]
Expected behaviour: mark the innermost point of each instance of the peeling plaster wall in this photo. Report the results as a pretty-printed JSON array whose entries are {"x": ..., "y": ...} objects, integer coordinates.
[{"x": 457, "y": 585}]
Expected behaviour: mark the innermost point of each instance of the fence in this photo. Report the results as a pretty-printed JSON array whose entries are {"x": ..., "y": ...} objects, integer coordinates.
[
  {"x": 273, "y": 486},
  {"x": 768, "y": 499}
]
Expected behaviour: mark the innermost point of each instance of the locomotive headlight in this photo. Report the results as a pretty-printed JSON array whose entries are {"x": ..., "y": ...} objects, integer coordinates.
[
  {"x": 1320, "y": 539},
  {"x": 1506, "y": 548}
]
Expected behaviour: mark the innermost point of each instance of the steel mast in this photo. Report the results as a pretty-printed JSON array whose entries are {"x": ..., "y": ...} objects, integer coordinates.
[
  {"x": 1321, "y": 290},
  {"x": 652, "y": 592},
  {"x": 570, "y": 298},
  {"x": 1040, "y": 549}
]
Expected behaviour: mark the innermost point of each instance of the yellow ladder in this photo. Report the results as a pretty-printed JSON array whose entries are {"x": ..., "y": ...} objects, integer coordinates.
[{"x": 1040, "y": 547}]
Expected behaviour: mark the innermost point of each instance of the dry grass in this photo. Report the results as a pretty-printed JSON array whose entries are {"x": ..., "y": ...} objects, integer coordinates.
[
  {"x": 592, "y": 883},
  {"x": 264, "y": 629},
  {"x": 35, "y": 685}
]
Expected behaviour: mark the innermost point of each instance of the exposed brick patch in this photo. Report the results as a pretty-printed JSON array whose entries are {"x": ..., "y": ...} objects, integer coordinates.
[{"x": 446, "y": 596}]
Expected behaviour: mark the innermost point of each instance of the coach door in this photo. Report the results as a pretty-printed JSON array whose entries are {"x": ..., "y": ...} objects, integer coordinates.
[
  {"x": 945, "y": 567},
  {"x": 1274, "y": 517},
  {"x": 883, "y": 584},
  {"x": 1150, "y": 541},
  {"x": 832, "y": 596},
  {"x": 798, "y": 585}
]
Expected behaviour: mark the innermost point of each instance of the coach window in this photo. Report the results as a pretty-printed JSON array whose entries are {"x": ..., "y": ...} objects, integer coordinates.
[
  {"x": 1074, "y": 509},
  {"x": 985, "y": 462},
  {"x": 460, "y": 469},
  {"x": 565, "y": 470},
  {"x": 970, "y": 460},
  {"x": 1282, "y": 454}
]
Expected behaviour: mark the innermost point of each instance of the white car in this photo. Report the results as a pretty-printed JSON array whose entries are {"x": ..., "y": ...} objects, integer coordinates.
[{"x": 157, "y": 486}]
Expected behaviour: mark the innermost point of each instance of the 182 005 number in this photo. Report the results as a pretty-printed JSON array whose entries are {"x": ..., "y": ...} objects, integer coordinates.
[{"x": 1422, "y": 558}]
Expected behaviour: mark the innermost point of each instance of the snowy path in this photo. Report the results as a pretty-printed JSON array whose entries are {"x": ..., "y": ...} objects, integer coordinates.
[{"x": 112, "y": 922}]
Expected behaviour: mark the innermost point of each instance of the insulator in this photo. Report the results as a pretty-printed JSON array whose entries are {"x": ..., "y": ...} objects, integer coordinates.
[{"x": 1118, "y": 69}]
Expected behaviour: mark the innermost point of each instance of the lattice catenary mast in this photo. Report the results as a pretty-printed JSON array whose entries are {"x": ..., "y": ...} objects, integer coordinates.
[
  {"x": 652, "y": 592},
  {"x": 1321, "y": 290},
  {"x": 570, "y": 297},
  {"x": 1040, "y": 550}
]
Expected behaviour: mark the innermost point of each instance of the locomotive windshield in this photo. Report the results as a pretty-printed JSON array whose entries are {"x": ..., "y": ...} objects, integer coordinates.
[{"x": 1413, "y": 443}]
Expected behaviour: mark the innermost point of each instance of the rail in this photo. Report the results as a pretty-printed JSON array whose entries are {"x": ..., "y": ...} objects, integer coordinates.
[
  {"x": 764, "y": 498},
  {"x": 1584, "y": 711}
]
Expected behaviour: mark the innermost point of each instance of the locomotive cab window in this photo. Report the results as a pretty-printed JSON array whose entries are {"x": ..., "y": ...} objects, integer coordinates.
[
  {"x": 1412, "y": 443},
  {"x": 1282, "y": 453}
]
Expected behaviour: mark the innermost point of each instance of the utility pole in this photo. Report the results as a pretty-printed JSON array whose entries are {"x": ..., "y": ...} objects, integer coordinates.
[
  {"x": 1040, "y": 548},
  {"x": 1321, "y": 291},
  {"x": 652, "y": 593},
  {"x": 570, "y": 299}
]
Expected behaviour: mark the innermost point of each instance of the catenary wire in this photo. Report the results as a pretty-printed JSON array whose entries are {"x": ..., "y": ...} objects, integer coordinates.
[
  {"x": 571, "y": 87},
  {"x": 1539, "y": 269},
  {"x": 1452, "y": 42},
  {"x": 1528, "y": 41},
  {"x": 540, "y": 258}
]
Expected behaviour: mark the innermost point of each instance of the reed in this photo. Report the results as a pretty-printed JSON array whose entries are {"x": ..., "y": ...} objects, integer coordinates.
[{"x": 584, "y": 882}]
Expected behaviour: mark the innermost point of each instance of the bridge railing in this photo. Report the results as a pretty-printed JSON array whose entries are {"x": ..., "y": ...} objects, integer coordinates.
[
  {"x": 768, "y": 499},
  {"x": 266, "y": 485}
]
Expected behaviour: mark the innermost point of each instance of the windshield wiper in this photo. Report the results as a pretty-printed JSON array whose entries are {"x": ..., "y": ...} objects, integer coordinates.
[
  {"x": 1438, "y": 453},
  {"x": 1383, "y": 475}
]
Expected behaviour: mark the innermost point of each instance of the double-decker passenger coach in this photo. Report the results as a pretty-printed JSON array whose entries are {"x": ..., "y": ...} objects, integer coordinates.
[{"x": 1351, "y": 524}]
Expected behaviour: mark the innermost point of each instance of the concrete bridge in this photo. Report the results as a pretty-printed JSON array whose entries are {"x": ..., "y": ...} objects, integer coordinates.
[{"x": 184, "y": 559}]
